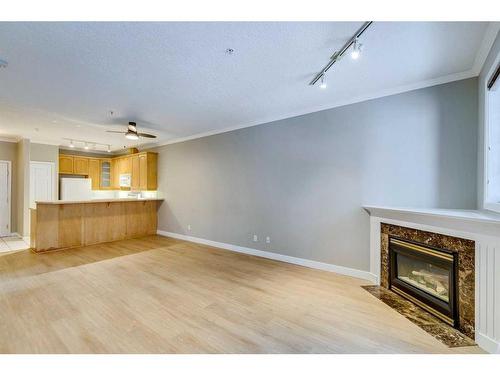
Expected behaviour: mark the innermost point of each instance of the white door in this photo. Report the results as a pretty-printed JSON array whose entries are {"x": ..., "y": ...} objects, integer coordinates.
[
  {"x": 5, "y": 198},
  {"x": 42, "y": 187}
]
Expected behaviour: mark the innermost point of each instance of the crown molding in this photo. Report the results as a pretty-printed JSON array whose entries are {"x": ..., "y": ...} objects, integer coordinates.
[
  {"x": 359, "y": 99},
  {"x": 13, "y": 139},
  {"x": 485, "y": 47},
  {"x": 44, "y": 143},
  {"x": 482, "y": 53}
]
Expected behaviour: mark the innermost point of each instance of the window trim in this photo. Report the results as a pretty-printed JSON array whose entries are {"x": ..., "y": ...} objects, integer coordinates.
[{"x": 492, "y": 206}]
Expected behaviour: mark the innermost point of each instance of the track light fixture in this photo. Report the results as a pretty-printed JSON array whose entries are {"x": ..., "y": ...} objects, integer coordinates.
[
  {"x": 356, "y": 50},
  {"x": 88, "y": 145}
]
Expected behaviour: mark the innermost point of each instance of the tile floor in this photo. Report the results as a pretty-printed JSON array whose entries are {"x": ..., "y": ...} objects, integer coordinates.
[{"x": 12, "y": 243}]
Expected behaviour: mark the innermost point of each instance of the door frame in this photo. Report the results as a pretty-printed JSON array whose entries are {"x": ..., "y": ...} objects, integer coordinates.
[
  {"x": 52, "y": 173},
  {"x": 9, "y": 192}
]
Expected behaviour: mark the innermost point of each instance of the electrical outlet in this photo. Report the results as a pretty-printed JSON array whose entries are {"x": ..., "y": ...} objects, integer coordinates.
[
  {"x": 255, "y": 238},
  {"x": 268, "y": 239},
  {"x": 189, "y": 226}
]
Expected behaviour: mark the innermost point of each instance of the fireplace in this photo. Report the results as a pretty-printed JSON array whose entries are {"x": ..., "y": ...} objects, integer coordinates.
[
  {"x": 454, "y": 303},
  {"x": 425, "y": 275}
]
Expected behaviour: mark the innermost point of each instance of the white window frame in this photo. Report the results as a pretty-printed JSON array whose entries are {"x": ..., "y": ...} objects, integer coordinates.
[{"x": 492, "y": 206}]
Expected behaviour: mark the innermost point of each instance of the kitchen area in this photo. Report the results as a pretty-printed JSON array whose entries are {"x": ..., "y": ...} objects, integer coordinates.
[{"x": 101, "y": 199}]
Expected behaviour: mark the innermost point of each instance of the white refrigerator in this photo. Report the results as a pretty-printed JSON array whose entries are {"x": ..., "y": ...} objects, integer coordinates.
[{"x": 76, "y": 189}]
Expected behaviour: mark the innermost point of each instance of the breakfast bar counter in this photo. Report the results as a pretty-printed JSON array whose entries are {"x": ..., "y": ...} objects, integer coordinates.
[{"x": 65, "y": 224}]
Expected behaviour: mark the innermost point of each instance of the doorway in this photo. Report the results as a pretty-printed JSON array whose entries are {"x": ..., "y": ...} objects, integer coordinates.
[
  {"x": 5, "y": 197},
  {"x": 42, "y": 182}
]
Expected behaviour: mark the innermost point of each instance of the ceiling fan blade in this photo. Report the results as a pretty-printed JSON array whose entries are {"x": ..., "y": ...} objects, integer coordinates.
[
  {"x": 114, "y": 131},
  {"x": 146, "y": 135}
]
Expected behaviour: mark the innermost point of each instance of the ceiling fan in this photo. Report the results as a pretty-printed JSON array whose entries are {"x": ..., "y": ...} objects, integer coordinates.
[{"x": 132, "y": 133}]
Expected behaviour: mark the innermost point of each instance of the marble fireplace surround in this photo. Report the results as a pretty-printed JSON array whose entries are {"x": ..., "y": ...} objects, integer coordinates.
[
  {"x": 481, "y": 227},
  {"x": 464, "y": 248}
]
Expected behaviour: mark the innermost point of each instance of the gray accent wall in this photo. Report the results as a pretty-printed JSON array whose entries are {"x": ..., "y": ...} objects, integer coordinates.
[{"x": 303, "y": 181}]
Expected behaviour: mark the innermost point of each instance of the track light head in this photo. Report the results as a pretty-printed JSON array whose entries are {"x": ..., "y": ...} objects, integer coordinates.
[
  {"x": 322, "y": 84},
  {"x": 71, "y": 144},
  {"x": 356, "y": 49},
  {"x": 86, "y": 147}
]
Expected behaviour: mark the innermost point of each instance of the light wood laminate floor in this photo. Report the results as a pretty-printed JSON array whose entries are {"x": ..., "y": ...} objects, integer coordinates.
[{"x": 161, "y": 295}]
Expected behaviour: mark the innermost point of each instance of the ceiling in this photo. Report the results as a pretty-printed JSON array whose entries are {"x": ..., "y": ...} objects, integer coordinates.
[{"x": 176, "y": 80}]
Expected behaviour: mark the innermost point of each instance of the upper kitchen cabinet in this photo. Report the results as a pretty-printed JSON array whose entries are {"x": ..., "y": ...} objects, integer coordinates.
[
  {"x": 106, "y": 174},
  {"x": 115, "y": 175},
  {"x": 135, "y": 180},
  {"x": 148, "y": 171},
  {"x": 65, "y": 164},
  {"x": 80, "y": 165},
  {"x": 95, "y": 173},
  {"x": 124, "y": 165}
]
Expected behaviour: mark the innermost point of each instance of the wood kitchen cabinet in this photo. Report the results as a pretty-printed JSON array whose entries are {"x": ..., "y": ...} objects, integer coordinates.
[
  {"x": 135, "y": 183},
  {"x": 115, "y": 174},
  {"x": 121, "y": 166},
  {"x": 148, "y": 171},
  {"x": 124, "y": 164},
  {"x": 127, "y": 165},
  {"x": 80, "y": 165},
  {"x": 65, "y": 164},
  {"x": 95, "y": 173},
  {"x": 105, "y": 172}
]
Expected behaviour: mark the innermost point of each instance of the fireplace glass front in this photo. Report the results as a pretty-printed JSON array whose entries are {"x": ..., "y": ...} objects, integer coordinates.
[{"x": 426, "y": 276}]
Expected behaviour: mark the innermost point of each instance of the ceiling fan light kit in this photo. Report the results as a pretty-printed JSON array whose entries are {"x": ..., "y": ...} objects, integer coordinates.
[{"x": 132, "y": 133}]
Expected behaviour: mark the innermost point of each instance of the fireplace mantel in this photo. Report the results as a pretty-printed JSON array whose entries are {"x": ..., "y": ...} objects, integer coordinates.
[
  {"x": 480, "y": 226},
  {"x": 475, "y": 221}
]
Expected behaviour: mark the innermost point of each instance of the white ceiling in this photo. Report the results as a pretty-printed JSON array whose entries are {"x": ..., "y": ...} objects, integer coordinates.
[{"x": 176, "y": 80}]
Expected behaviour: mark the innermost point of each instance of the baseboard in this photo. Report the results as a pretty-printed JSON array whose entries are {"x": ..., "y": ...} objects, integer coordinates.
[
  {"x": 365, "y": 275},
  {"x": 488, "y": 344}
]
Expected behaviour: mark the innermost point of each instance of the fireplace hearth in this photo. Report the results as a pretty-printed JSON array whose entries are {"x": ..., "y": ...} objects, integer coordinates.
[{"x": 426, "y": 276}]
